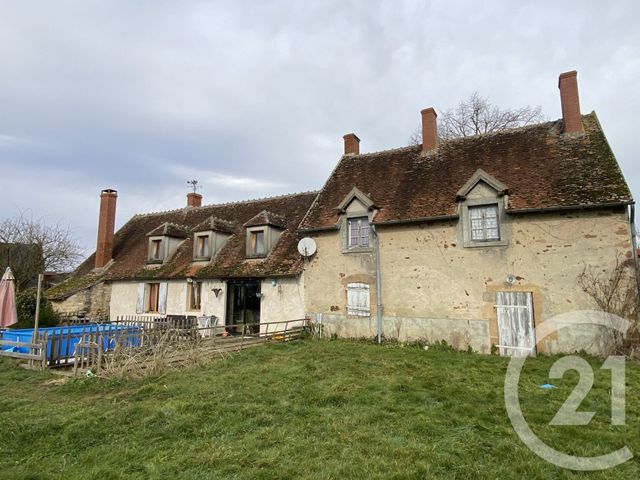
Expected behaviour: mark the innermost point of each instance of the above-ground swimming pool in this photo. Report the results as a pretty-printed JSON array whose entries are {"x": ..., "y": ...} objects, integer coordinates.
[{"x": 61, "y": 341}]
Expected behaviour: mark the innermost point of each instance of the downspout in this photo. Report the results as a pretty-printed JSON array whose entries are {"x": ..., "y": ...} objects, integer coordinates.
[{"x": 378, "y": 286}]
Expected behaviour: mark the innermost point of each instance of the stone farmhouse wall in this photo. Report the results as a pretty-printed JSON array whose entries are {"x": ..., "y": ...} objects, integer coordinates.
[{"x": 435, "y": 289}]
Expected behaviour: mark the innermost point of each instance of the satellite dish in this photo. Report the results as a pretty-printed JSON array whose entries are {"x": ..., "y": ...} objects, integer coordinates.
[{"x": 307, "y": 247}]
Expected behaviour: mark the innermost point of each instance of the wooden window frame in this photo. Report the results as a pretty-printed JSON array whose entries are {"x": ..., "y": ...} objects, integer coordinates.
[
  {"x": 152, "y": 301},
  {"x": 362, "y": 232},
  {"x": 157, "y": 247},
  {"x": 202, "y": 246},
  {"x": 191, "y": 287},
  {"x": 464, "y": 229},
  {"x": 483, "y": 210},
  {"x": 253, "y": 242}
]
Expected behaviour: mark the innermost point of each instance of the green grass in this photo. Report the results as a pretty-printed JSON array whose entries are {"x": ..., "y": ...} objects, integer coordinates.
[{"x": 308, "y": 409}]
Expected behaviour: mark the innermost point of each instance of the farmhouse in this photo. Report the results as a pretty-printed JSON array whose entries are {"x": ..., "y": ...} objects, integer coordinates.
[
  {"x": 474, "y": 241},
  {"x": 236, "y": 262}
]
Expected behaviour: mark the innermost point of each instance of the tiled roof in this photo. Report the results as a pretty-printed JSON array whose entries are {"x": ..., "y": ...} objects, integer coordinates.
[
  {"x": 541, "y": 167},
  {"x": 267, "y": 218},
  {"x": 215, "y": 224},
  {"x": 130, "y": 245},
  {"x": 168, "y": 230}
]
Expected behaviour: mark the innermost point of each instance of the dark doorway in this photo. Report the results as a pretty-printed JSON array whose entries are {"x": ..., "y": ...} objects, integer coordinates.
[{"x": 243, "y": 306}]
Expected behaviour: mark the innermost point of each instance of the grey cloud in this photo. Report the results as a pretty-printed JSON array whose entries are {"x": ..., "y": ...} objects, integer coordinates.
[{"x": 252, "y": 98}]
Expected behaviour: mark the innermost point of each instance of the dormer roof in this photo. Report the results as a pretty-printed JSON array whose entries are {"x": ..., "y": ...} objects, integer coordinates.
[
  {"x": 215, "y": 224},
  {"x": 266, "y": 217},
  {"x": 168, "y": 229}
]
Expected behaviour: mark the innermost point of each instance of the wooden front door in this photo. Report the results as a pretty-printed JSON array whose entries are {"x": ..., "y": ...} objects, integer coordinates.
[{"x": 516, "y": 332}]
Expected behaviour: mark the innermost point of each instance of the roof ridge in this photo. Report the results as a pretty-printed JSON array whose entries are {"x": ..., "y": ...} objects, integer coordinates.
[
  {"x": 459, "y": 139},
  {"x": 382, "y": 152},
  {"x": 503, "y": 131},
  {"x": 225, "y": 204}
]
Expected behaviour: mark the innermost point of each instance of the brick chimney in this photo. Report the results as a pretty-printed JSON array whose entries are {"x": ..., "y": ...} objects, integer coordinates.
[
  {"x": 194, "y": 199},
  {"x": 351, "y": 144},
  {"x": 429, "y": 130},
  {"x": 106, "y": 227},
  {"x": 570, "y": 100}
]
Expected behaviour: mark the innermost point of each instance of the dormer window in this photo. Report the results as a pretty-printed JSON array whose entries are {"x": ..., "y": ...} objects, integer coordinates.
[
  {"x": 484, "y": 223},
  {"x": 202, "y": 246},
  {"x": 358, "y": 232},
  {"x": 482, "y": 203},
  {"x": 156, "y": 250},
  {"x": 356, "y": 213},
  {"x": 209, "y": 237},
  {"x": 164, "y": 241},
  {"x": 263, "y": 233},
  {"x": 256, "y": 243}
]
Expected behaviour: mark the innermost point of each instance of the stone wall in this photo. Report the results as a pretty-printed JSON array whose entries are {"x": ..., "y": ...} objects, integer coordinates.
[
  {"x": 93, "y": 301},
  {"x": 436, "y": 289}
]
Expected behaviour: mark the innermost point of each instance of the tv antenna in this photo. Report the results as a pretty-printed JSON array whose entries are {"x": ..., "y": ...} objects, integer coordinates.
[{"x": 194, "y": 185}]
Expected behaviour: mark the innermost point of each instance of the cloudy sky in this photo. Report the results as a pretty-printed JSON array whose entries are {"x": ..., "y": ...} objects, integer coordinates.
[{"x": 252, "y": 98}]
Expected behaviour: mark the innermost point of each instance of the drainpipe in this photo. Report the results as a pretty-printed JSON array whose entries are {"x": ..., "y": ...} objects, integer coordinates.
[{"x": 378, "y": 286}]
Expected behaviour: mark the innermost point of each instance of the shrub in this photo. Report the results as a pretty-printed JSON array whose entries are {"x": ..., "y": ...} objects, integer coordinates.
[{"x": 26, "y": 306}]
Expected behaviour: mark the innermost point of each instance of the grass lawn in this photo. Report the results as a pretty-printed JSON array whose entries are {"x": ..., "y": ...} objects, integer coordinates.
[{"x": 308, "y": 409}]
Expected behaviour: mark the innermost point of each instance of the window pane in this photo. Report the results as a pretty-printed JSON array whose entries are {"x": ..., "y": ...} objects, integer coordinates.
[
  {"x": 194, "y": 295},
  {"x": 154, "y": 289},
  {"x": 492, "y": 234},
  {"x": 358, "y": 232},
  {"x": 364, "y": 232},
  {"x": 258, "y": 242},
  {"x": 156, "y": 250},
  {"x": 476, "y": 235},
  {"x": 353, "y": 232},
  {"x": 483, "y": 222},
  {"x": 203, "y": 246}
]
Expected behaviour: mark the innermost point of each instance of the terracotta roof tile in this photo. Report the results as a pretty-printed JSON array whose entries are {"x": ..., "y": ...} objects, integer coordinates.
[
  {"x": 267, "y": 218},
  {"x": 168, "y": 230},
  {"x": 130, "y": 245},
  {"x": 215, "y": 224},
  {"x": 541, "y": 167}
]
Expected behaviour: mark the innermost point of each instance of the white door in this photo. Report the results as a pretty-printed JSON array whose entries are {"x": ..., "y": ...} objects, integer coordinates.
[{"x": 516, "y": 333}]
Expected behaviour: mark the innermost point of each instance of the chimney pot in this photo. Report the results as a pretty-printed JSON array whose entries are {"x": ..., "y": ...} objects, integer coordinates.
[
  {"x": 429, "y": 129},
  {"x": 570, "y": 101},
  {"x": 106, "y": 227},
  {"x": 351, "y": 144},
  {"x": 194, "y": 199}
]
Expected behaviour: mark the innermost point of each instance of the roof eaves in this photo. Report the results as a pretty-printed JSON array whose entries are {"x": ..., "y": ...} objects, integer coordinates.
[{"x": 589, "y": 206}]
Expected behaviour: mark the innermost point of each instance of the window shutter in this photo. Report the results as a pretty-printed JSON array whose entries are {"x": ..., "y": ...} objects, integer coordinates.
[
  {"x": 162, "y": 299},
  {"x": 140, "y": 299},
  {"x": 358, "y": 299}
]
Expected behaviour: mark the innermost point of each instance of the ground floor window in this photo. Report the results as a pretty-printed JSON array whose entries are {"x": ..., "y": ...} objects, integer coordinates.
[
  {"x": 153, "y": 296},
  {"x": 358, "y": 300},
  {"x": 194, "y": 290}
]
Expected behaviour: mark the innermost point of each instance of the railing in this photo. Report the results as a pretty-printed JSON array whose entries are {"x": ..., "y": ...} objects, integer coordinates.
[
  {"x": 34, "y": 352},
  {"x": 132, "y": 335}
]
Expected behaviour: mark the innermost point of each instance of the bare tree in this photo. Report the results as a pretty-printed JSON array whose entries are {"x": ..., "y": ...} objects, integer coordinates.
[
  {"x": 616, "y": 292},
  {"x": 51, "y": 246},
  {"x": 476, "y": 116}
]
